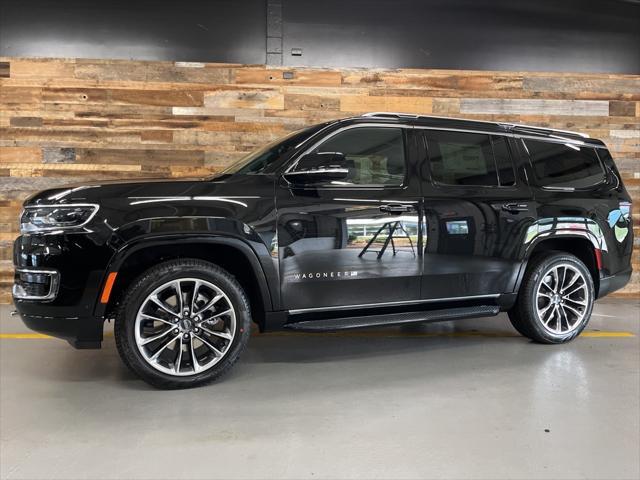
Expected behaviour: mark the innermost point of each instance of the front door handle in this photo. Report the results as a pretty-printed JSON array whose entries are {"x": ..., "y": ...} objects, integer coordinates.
[
  {"x": 396, "y": 208},
  {"x": 515, "y": 207}
]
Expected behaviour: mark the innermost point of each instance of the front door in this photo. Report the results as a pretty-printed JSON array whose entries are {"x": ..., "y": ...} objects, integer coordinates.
[
  {"x": 477, "y": 203},
  {"x": 352, "y": 241}
]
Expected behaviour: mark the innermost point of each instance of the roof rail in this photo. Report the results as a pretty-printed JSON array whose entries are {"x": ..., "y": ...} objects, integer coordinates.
[
  {"x": 390, "y": 114},
  {"x": 511, "y": 126},
  {"x": 414, "y": 115},
  {"x": 530, "y": 128}
]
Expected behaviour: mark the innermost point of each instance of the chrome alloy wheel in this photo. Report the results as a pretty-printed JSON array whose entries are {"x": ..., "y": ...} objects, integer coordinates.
[
  {"x": 185, "y": 326},
  {"x": 562, "y": 299}
]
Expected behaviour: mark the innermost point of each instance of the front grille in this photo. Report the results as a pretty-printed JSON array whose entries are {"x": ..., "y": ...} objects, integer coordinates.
[{"x": 35, "y": 284}]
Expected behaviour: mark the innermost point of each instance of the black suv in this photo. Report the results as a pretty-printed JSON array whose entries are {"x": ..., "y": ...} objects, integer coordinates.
[{"x": 376, "y": 220}]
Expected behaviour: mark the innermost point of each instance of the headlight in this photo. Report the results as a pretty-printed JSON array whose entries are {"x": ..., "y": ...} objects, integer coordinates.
[{"x": 55, "y": 217}]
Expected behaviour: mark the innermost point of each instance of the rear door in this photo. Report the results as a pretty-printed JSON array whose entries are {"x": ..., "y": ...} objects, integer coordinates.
[
  {"x": 355, "y": 241},
  {"x": 476, "y": 204}
]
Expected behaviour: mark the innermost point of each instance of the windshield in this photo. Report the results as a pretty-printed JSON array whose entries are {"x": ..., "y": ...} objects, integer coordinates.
[{"x": 258, "y": 161}]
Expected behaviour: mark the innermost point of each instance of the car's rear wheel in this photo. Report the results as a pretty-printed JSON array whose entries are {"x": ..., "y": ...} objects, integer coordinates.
[
  {"x": 182, "y": 324},
  {"x": 555, "y": 300}
]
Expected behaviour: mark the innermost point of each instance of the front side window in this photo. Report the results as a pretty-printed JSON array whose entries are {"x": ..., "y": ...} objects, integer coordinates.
[
  {"x": 564, "y": 164},
  {"x": 469, "y": 159},
  {"x": 372, "y": 155},
  {"x": 262, "y": 159}
]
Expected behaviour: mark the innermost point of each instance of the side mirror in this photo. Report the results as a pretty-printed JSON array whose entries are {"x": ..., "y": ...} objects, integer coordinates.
[{"x": 319, "y": 167}]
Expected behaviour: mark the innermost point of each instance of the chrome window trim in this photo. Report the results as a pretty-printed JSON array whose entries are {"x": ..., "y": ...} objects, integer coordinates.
[
  {"x": 448, "y": 129},
  {"x": 54, "y": 285},
  {"x": 513, "y": 135},
  {"x": 373, "y": 305},
  {"x": 324, "y": 170}
]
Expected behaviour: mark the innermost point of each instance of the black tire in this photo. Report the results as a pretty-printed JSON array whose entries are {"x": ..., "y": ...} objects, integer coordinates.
[
  {"x": 524, "y": 315},
  {"x": 153, "y": 278}
]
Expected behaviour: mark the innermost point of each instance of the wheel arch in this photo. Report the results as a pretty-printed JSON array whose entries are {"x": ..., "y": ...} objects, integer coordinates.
[
  {"x": 232, "y": 254},
  {"x": 581, "y": 245}
]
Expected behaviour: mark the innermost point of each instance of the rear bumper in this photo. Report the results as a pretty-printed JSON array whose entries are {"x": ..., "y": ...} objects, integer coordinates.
[{"x": 614, "y": 282}]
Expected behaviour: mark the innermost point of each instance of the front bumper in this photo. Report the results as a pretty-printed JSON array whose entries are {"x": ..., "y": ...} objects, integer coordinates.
[
  {"x": 57, "y": 281},
  {"x": 79, "y": 332},
  {"x": 74, "y": 323}
]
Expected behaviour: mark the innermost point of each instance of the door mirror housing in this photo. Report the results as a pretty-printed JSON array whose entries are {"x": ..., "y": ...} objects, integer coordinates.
[{"x": 318, "y": 168}]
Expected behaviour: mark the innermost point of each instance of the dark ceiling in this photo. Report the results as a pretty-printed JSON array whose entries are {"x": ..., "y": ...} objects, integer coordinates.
[{"x": 543, "y": 35}]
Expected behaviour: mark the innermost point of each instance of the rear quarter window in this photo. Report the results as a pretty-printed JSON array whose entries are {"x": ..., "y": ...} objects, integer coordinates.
[{"x": 564, "y": 165}]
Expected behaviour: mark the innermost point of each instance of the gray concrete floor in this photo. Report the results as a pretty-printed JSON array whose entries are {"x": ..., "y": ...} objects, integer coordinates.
[{"x": 464, "y": 400}]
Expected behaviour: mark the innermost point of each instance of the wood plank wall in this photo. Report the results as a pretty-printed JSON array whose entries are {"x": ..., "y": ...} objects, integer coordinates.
[{"x": 68, "y": 120}]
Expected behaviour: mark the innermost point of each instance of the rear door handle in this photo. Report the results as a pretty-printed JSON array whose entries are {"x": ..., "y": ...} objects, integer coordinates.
[
  {"x": 515, "y": 207},
  {"x": 396, "y": 208}
]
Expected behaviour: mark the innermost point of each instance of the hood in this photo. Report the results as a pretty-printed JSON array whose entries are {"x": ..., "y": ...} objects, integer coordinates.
[{"x": 95, "y": 192}]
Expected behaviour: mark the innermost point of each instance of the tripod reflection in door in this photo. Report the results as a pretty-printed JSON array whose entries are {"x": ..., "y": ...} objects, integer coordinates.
[{"x": 386, "y": 235}]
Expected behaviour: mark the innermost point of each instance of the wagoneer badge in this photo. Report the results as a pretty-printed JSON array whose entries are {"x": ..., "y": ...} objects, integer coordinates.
[{"x": 318, "y": 275}]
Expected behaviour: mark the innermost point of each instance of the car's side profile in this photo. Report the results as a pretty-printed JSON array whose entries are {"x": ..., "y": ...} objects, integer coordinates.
[{"x": 368, "y": 221}]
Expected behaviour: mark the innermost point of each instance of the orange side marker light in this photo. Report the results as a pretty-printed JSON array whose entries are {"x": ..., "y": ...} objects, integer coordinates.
[{"x": 106, "y": 292}]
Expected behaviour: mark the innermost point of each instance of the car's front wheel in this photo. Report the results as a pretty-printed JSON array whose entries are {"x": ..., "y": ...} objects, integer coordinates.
[
  {"x": 182, "y": 324},
  {"x": 555, "y": 299}
]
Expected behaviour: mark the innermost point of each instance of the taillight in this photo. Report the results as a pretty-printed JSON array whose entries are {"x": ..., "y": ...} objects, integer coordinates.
[{"x": 598, "y": 254}]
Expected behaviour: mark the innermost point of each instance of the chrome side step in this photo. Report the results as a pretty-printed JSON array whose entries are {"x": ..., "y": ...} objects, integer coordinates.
[{"x": 344, "y": 323}]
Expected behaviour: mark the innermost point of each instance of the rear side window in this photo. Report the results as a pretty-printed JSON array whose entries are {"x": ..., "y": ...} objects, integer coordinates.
[
  {"x": 564, "y": 164},
  {"x": 458, "y": 158}
]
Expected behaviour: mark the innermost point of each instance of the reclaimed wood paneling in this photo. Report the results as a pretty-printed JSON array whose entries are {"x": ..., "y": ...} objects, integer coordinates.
[
  {"x": 4, "y": 69},
  {"x": 264, "y": 76},
  {"x": 73, "y": 120},
  {"x": 502, "y": 106},
  {"x": 367, "y": 103}
]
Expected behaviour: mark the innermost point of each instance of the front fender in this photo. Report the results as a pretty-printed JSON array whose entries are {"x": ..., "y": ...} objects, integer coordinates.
[{"x": 255, "y": 253}]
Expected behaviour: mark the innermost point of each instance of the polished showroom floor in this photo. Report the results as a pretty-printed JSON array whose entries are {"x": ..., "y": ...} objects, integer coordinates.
[{"x": 464, "y": 400}]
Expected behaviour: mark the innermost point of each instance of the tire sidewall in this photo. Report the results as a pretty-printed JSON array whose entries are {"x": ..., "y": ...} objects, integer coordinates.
[
  {"x": 541, "y": 270},
  {"x": 154, "y": 278}
]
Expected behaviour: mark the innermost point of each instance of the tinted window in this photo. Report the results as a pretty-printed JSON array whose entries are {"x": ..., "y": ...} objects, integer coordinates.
[
  {"x": 564, "y": 165},
  {"x": 374, "y": 156},
  {"x": 506, "y": 174},
  {"x": 469, "y": 159},
  {"x": 261, "y": 159}
]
